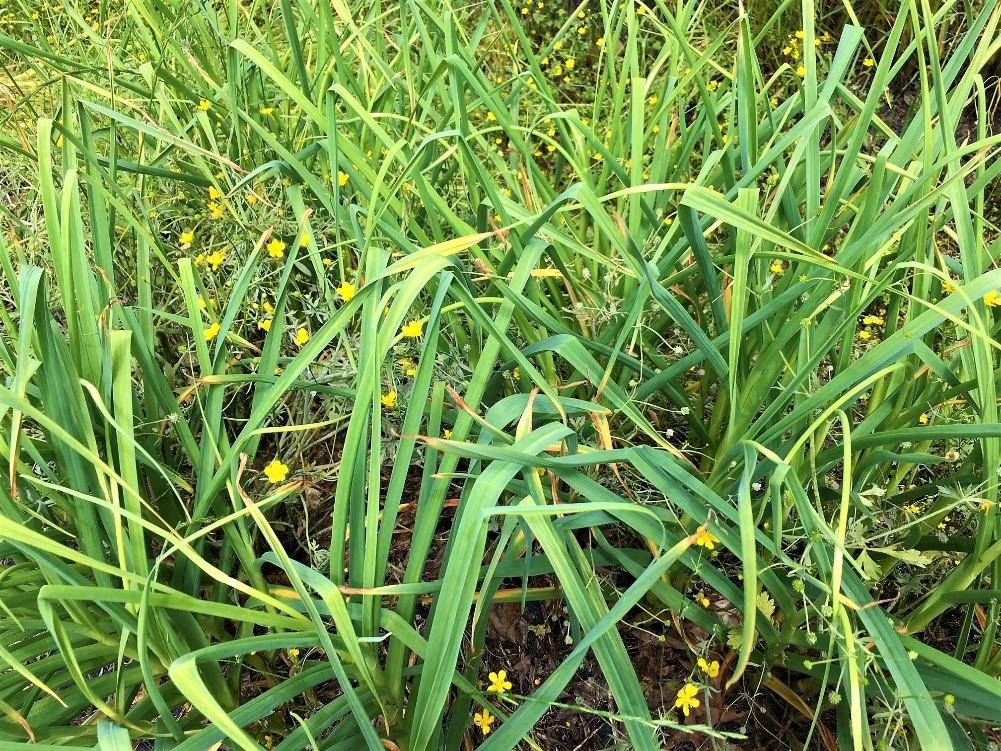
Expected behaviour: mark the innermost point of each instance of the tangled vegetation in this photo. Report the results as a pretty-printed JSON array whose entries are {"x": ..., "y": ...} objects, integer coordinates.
[{"x": 544, "y": 375}]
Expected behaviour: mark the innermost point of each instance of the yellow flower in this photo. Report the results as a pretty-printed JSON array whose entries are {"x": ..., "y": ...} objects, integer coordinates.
[
  {"x": 686, "y": 700},
  {"x": 389, "y": 400},
  {"x": 276, "y": 248},
  {"x": 873, "y": 321},
  {"x": 483, "y": 720},
  {"x": 276, "y": 473},
  {"x": 711, "y": 669},
  {"x": 800, "y": 34},
  {"x": 702, "y": 599},
  {"x": 328, "y": 262},
  {"x": 346, "y": 291},
  {"x": 992, "y": 299},
  {"x": 712, "y": 85},
  {"x": 205, "y": 105},
  {"x": 948, "y": 287},
  {"x": 294, "y": 652},
  {"x": 923, "y": 418},
  {"x": 447, "y": 434},
  {"x": 913, "y": 508},
  {"x": 570, "y": 63},
  {"x": 251, "y": 198},
  {"x": 413, "y": 329},
  {"x": 865, "y": 335},
  {"x": 599, "y": 42},
  {"x": 264, "y": 324},
  {"x": 214, "y": 193},
  {"x": 268, "y": 308},
  {"x": 265, "y": 111},
  {"x": 801, "y": 71},
  {"x": 706, "y": 539},
  {"x": 301, "y": 337},
  {"x": 215, "y": 259},
  {"x": 342, "y": 179},
  {"x": 499, "y": 682},
  {"x": 215, "y": 210},
  {"x": 187, "y": 237},
  {"x": 304, "y": 240},
  {"x": 202, "y": 304},
  {"x": 869, "y": 62},
  {"x": 777, "y": 267},
  {"x": 211, "y": 332}
]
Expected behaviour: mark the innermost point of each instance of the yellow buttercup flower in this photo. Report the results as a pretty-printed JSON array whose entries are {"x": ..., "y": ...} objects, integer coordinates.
[
  {"x": 268, "y": 308},
  {"x": 706, "y": 539},
  {"x": 873, "y": 321},
  {"x": 215, "y": 210},
  {"x": 413, "y": 329},
  {"x": 711, "y": 669},
  {"x": 211, "y": 332},
  {"x": 389, "y": 400},
  {"x": 301, "y": 337},
  {"x": 276, "y": 473},
  {"x": 276, "y": 248},
  {"x": 801, "y": 71},
  {"x": 923, "y": 418},
  {"x": 777, "y": 268},
  {"x": 187, "y": 237},
  {"x": 205, "y": 105},
  {"x": 499, "y": 682},
  {"x": 686, "y": 700},
  {"x": 342, "y": 179},
  {"x": 869, "y": 62},
  {"x": 216, "y": 259},
  {"x": 992, "y": 299},
  {"x": 304, "y": 240},
  {"x": 346, "y": 291},
  {"x": 264, "y": 324},
  {"x": 483, "y": 720},
  {"x": 214, "y": 193},
  {"x": 702, "y": 599}
]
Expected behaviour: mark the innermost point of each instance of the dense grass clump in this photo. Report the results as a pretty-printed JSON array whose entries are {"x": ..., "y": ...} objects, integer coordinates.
[{"x": 531, "y": 375}]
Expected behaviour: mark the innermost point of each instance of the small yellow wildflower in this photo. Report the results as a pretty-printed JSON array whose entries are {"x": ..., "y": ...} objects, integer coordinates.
[
  {"x": 214, "y": 193},
  {"x": 212, "y": 331},
  {"x": 711, "y": 669},
  {"x": 777, "y": 268},
  {"x": 264, "y": 324},
  {"x": 702, "y": 599},
  {"x": 686, "y": 700},
  {"x": 187, "y": 237},
  {"x": 266, "y": 111},
  {"x": 301, "y": 337},
  {"x": 305, "y": 240},
  {"x": 328, "y": 262},
  {"x": 276, "y": 472},
  {"x": 570, "y": 63},
  {"x": 205, "y": 105},
  {"x": 276, "y": 248},
  {"x": 865, "y": 335},
  {"x": 268, "y": 308},
  {"x": 873, "y": 320},
  {"x": 992, "y": 299},
  {"x": 346, "y": 291},
  {"x": 342, "y": 179},
  {"x": 923, "y": 418},
  {"x": 801, "y": 71},
  {"x": 800, "y": 34},
  {"x": 499, "y": 682},
  {"x": 869, "y": 62},
  {"x": 483, "y": 720},
  {"x": 251, "y": 198},
  {"x": 706, "y": 539},
  {"x": 294, "y": 652},
  {"x": 447, "y": 434},
  {"x": 216, "y": 259},
  {"x": 413, "y": 329},
  {"x": 913, "y": 508},
  {"x": 948, "y": 287},
  {"x": 389, "y": 400},
  {"x": 215, "y": 210},
  {"x": 599, "y": 42}
]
